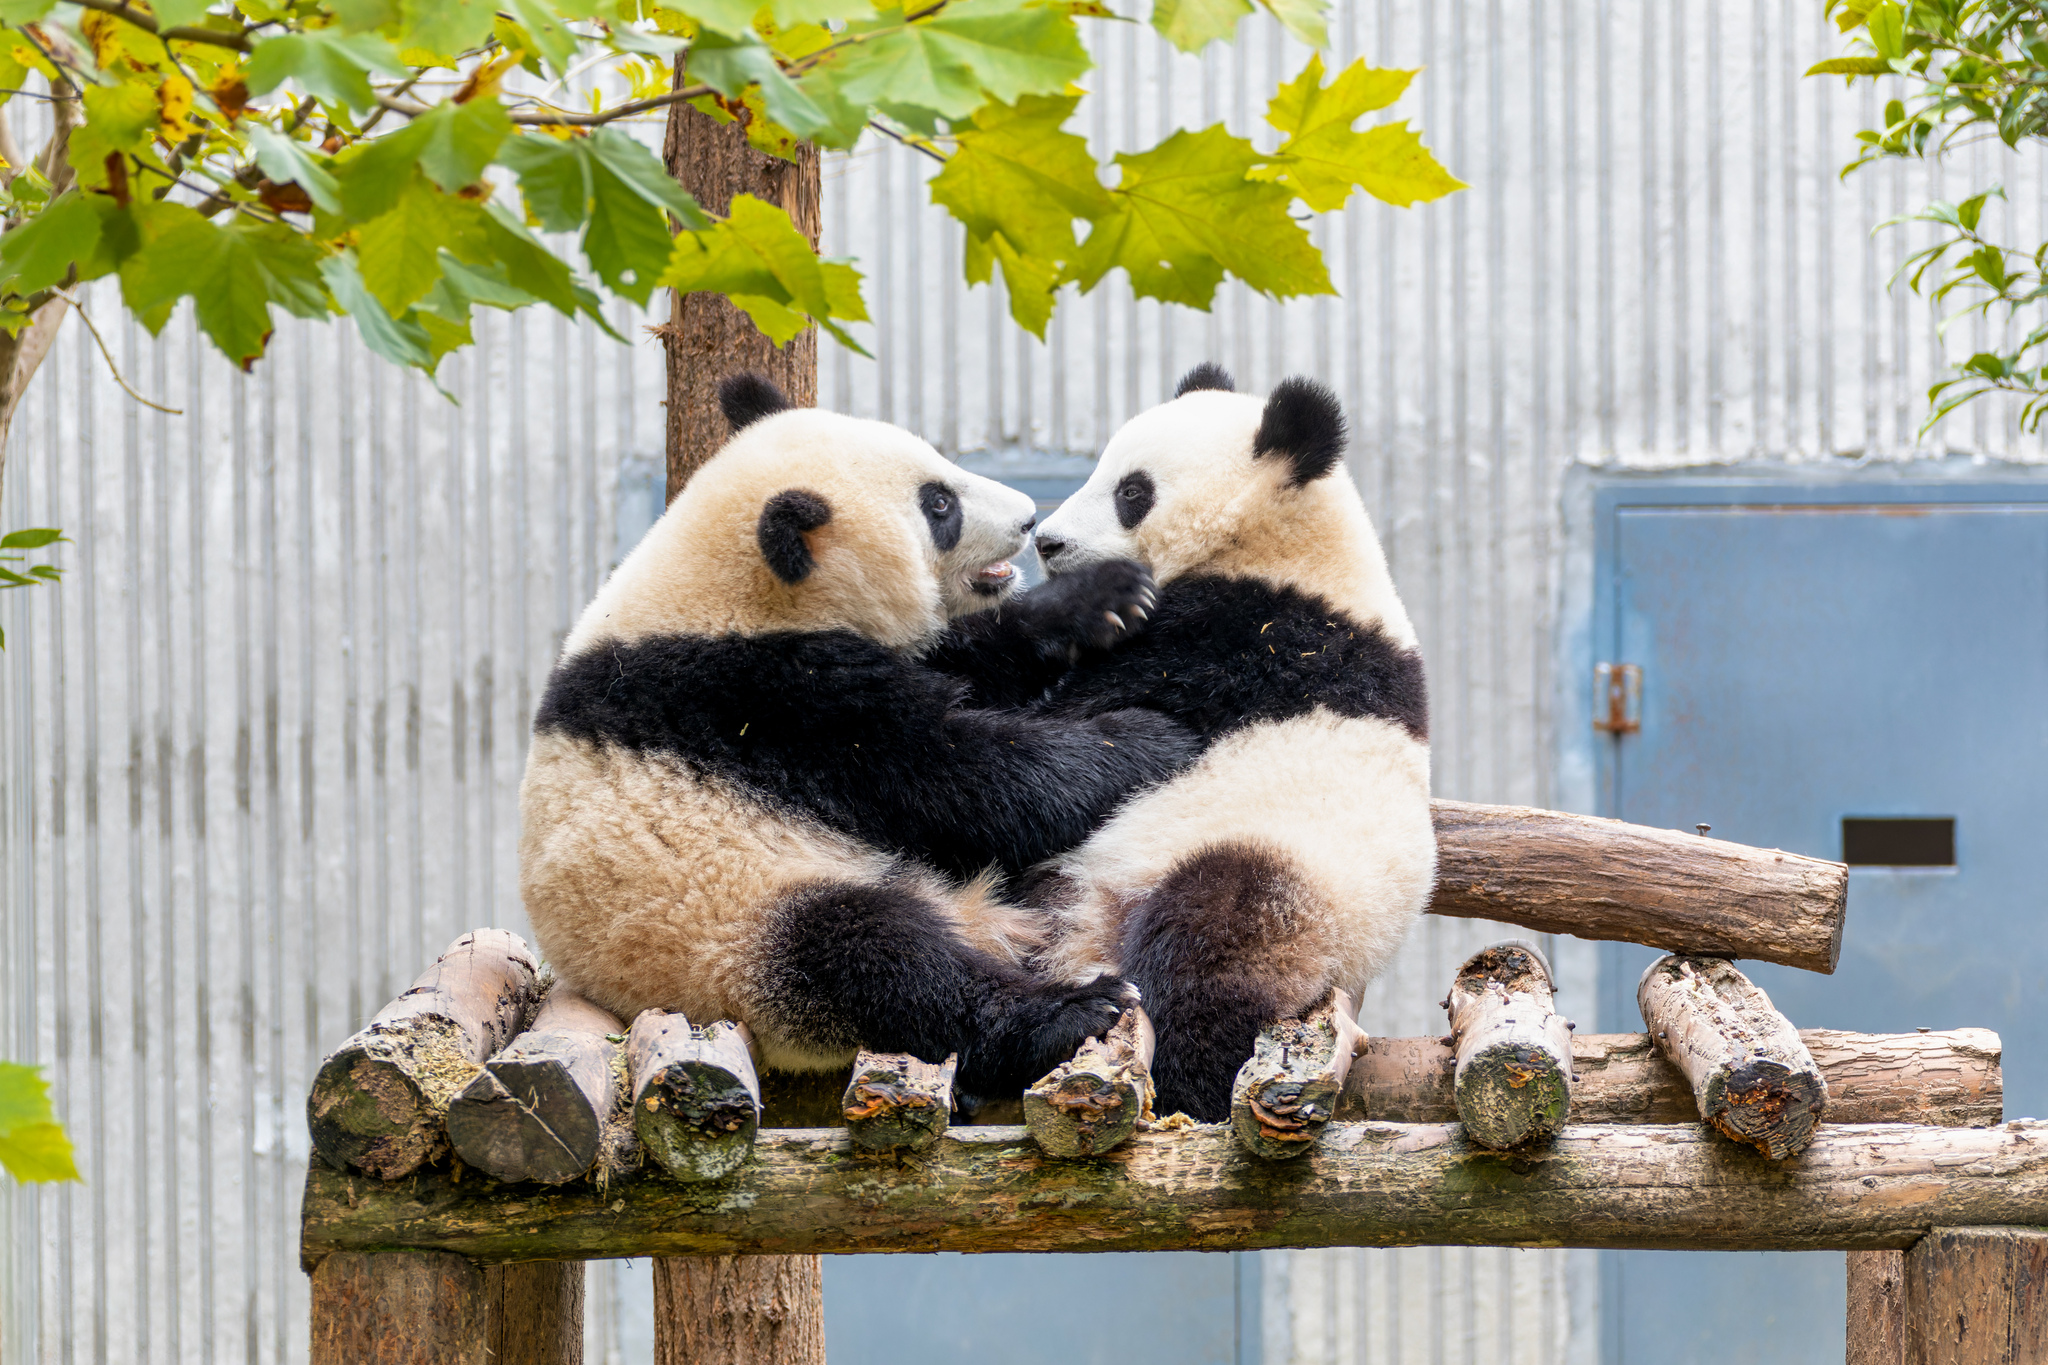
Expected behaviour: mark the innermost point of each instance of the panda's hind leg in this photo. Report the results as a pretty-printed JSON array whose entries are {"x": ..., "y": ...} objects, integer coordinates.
[{"x": 1228, "y": 942}]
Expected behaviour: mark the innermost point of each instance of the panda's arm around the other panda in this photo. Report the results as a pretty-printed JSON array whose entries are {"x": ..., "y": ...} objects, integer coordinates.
[{"x": 1010, "y": 654}]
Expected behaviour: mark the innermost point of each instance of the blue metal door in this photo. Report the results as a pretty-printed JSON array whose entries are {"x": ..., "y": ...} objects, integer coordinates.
[{"x": 1826, "y": 669}]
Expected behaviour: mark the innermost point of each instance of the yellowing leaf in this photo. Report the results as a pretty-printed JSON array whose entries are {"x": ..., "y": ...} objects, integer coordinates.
[
  {"x": 1019, "y": 175},
  {"x": 120, "y": 117},
  {"x": 174, "y": 109},
  {"x": 1322, "y": 159},
  {"x": 1192, "y": 25},
  {"x": 1302, "y": 18}
]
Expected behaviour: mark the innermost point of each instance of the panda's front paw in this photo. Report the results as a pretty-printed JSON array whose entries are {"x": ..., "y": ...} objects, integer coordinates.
[{"x": 1096, "y": 605}]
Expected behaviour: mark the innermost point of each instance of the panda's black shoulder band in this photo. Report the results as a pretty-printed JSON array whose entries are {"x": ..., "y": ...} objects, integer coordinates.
[
  {"x": 784, "y": 520},
  {"x": 747, "y": 397},
  {"x": 1304, "y": 425}
]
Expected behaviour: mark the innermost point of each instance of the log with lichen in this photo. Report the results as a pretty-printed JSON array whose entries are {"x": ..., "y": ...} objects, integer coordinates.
[
  {"x": 1098, "y": 1097},
  {"x": 1287, "y": 1091},
  {"x": 895, "y": 1102},
  {"x": 696, "y": 1096},
  {"x": 1513, "y": 1076},
  {"x": 537, "y": 1111}
]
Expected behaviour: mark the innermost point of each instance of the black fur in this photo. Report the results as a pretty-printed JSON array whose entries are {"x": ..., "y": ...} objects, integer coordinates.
[
  {"x": 1303, "y": 423},
  {"x": 942, "y": 513},
  {"x": 1135, "y": 494},
  {"x": 1207, "y": 375},
  {"x": 747, "y": 397},
  {"x": 1212, "y": 949},
  {"x": 784, "y": 519},
  {"x": 839, "y": 728},
  {"x": 1222, "y": 653},
  {"x": 848, "y": 965},
  {"x": 1011, "y": 654}
]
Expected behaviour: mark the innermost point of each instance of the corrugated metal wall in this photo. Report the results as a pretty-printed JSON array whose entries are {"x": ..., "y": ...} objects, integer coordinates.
[{"x": 261, "y": 748}]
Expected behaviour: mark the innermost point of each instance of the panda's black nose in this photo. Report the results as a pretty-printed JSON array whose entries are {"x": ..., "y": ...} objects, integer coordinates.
[
  {"x": 1029, "y": 522},
  {"x": 1048, "y": 546}
]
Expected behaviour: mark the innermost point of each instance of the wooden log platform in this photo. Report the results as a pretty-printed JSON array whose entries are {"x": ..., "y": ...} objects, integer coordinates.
[
  {"x": 537, "y": 1110},
  {"x": 895, "y": 1101},
  {"x": 1513, "y": 1075},
  {"x": 1754, "y": 1080},
  {"x": 1287, "y": 1092},
  {"x": 1857, "y": 1187},
  {"x": 1604, "y": 879},
  {"x": 1098, "y": 1097},
  {"x": 696, "y": 1097}
]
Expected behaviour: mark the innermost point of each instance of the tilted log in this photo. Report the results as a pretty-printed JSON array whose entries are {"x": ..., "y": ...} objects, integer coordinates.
[
  {"x": 1513, "y": 1075},
  {"x": 1096, "y": 1098},
  {"x": 896, "y": 1101},
  {"x": 1752, "y": 1076},
  {"x": 1287, "y": 1092},
  {"x": 696, "y": 1097},
  {"x": 380, "y": 1101},
  {"x": 1858, "y": 1187},
  {"x": 537, "y": 1110},
  {"x": 1603, "y": 879}
]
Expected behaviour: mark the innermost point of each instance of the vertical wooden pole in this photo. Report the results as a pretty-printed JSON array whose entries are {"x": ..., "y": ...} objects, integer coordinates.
[
  {"x": 733, "y": 1310},
  {"x": 398, "y": 1308},
  {"x": 1977, "y": 1296},
  {"x": 533, "y": 1313},
  {"x": 1877, "y": 1308}
]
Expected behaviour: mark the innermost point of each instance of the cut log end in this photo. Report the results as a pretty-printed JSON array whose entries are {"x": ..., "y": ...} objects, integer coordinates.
[
  {"x": 1286, "y": 1094},
  {"x": 1513, "y": 1077},
  {"x": 538, "y": 1109},
  {"x": 1096, "y": 1099},
  {"x": 696, "y": 1097},
  {"x": 895, "y": 1101}
]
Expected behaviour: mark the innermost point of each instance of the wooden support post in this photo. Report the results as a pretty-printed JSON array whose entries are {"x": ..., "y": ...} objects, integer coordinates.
[
  {"x": 739, "y": 1310},
  {"x": 398, "y": 1308},
  {"x": 1095, "y": 1099},
  {"x": 1603, "y": 879},
  {"x": 1513, "y": 1078},
  {"x": 1754, "y": 1079},
  {"x": 896, "y": 1101},
  {"x": 1877, "y": 1308},
  {"x": 537, "y": 1110},
  {"x": 696, "y": 1098},
  {"x": 1287, "y": 1092},
  {"x": 533, "y": 1313},
  {"x": 380, "y": 1101},
  {"x": 1977, "y": 1296}
]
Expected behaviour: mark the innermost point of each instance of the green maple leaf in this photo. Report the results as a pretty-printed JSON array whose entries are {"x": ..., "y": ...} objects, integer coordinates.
[
  {"x": 759, "y": 260},
  {"x": 447, "y": 27},
  {"x": 812, "y": 108},
  {"x": 32, "y": 1144},
  {"x": 1192, "y": 25},
  {"x": 457, "y": 141},
  {"x": 325, "y": 62},
  {"x": 538, "y": 270},
  {"x": 1029, "y": 282},
  {"x": 952, "y": 63},
  {"x": 627, "y": 240},
  {"x": 232, "y": 272},
  {"x": 1302, "y": 18},
  {"x": 1185, "y": 214},
  {"x": 1018, "y": 175},
  {"x": 120, "y": 118},
  {"x": 283, "y": 159},
  {"x": 399, "y": 252},
  {"x": 556, "y": 41},
  {"x": 554, "y": 178},
  {"x": 41, "y": 251},
  {"x": 1322, "y": 159},
  {"x": 400, "y": 340},
  {"x": 733, "y": 18}
]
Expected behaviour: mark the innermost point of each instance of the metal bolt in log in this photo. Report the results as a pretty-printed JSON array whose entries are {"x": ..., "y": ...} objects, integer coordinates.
[
  {"x": 1752, "y": 1077},
  {"x": 1287, "y": 1092},
  {"x": 537, "y": 1110},
  {"x": 1513, "y": 1076},
  {"x": 696, "y": 1097},
  {"x": 1095, "y": 1099},
  {"x": 380, "y": 1101},
  {"x": 894, "y": 1100}
]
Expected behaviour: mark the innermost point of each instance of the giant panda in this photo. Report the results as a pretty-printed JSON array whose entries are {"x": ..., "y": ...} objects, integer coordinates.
[
  {"x": 1294, "y": 855},
  {"x": 746, "y": 798}
]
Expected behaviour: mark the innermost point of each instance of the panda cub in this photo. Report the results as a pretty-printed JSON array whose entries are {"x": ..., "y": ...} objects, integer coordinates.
[
  {"x": 747, "y": 798},
  {"x": 1294, "y": 855}
]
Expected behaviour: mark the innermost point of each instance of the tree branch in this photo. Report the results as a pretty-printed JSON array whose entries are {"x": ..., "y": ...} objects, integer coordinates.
[
  {"x": 108, "y": 356},
  {"x": 120, "y": 9}
]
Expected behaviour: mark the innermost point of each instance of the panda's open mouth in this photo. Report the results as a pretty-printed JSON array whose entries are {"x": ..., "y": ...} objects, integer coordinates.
[{"x": 992, "y": 578}]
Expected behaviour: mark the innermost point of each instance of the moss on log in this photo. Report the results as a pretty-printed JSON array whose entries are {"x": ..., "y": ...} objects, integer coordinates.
[
  {"x": 1286, "y": 1093},
  {"x": 1096, "y": 1098},
  {"x": 1513, "y": 1079},
  {"x": 896, "y": 1101}
]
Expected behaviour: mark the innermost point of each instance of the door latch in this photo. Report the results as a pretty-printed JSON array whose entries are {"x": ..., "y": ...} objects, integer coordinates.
[{"x": 1618, "y": 698}]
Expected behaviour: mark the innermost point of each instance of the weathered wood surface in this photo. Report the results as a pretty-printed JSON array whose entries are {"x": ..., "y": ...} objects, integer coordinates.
[
  {"x": 537, "y": 1110},
  {"x": 398, "y": 1308},
  {"x": 739, "y": 1310},
  {"x": 1604, "y": 879},
  {"x": 1877, "y": 1308},
  {"x": 380, "y": 1101},
  {"x": 1978, "y": 1296},
  {"x": 1754, "y": 1079},
  {"x": 1858, "y": 1187},
  {"x": 1513, "y": 1074},
  {"x": 896, "y": 1101},
  {"x": 696, "y": 1097},
  {"x": 1950, "y": 1077},
  {"x": 533, "y": 1313},
  {"x": 1096, "y": 1098},
  {"x": 1286, "y": 1093}
]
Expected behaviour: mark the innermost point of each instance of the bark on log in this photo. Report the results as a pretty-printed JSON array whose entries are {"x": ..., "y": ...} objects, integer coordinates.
[
  {"x": 1857, "y": 1188},
  {"x": 1287, "y": 1092},
  {"x": 894, "y": 1100},
  {"x": 533, "y": 1313},
  {"x": 1754, "y": 1079},
  {"x": 1098, "y": 1097},
  {"x": 696, "y": 1099},
  {"x": 739, "y": 1310},
  {"x": 380, "y": 1101},
  {"x": 1513, "y": 1078},
  {"x": 537, "y": 1110},
  {"x": 1877, "y": 1308},
  {"x": 1603, "y": 879},
  {"x": 397, "y": 1308},
  {"x": 1978, "y": 1296}
]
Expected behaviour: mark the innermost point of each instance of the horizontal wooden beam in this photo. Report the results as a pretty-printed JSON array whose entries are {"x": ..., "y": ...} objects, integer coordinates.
[
  {"x": 1603, "y": 879},
  {"x": 1858, "y": 1187}
]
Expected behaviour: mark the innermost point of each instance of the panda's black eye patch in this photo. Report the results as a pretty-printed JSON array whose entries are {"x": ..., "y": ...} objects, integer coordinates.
[
  {"x": 1134, "y": 497},
  {"x": 942, "y": 513}
]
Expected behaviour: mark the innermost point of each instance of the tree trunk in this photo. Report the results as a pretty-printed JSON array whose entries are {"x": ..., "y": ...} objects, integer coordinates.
[
  {"x": 696, "y": 1096},
  {"x": 538, "y": 1110},
  {"x": 22, "y": 354},
  {"x": 702, "y": 1306}
]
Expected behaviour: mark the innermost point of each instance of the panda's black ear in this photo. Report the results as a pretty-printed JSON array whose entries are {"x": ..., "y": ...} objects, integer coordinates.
[
  {"x": 784, "y": 520},
  {"x": 748, "y": 397},
  {"x": 1207, "y": 375},
  {"x": 1303, "y": 425}
]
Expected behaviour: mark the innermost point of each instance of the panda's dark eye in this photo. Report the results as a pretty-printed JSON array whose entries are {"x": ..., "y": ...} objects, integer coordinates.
[
  {"x": 941, "y": 513},
  {"x": 941, "y": 505},
  {"x": 1134, "y": 497}
]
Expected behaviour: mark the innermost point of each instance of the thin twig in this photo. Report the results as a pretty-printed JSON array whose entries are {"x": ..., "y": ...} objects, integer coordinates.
[
  {"x": 34, "y": 95},
  {"x": 543, "y": 118},
  {"x": 108, "y": 356},
  {"x": 915, "y": 144}
]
